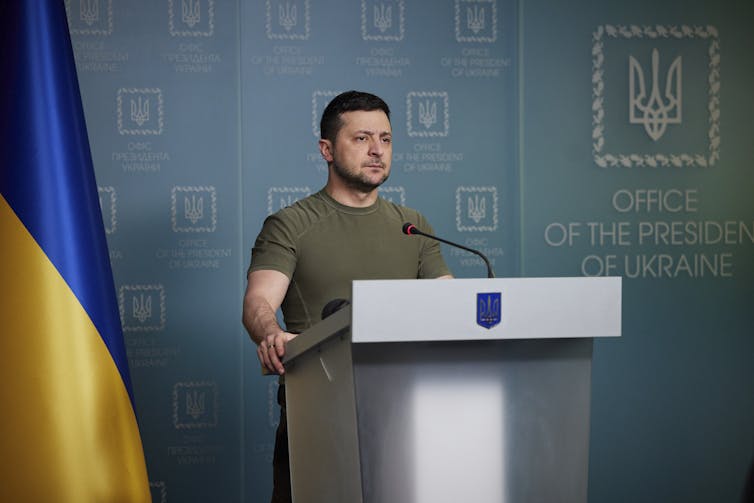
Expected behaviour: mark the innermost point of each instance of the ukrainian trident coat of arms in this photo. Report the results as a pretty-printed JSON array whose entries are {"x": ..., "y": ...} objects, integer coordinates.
[{"x": 488, "y": 313}]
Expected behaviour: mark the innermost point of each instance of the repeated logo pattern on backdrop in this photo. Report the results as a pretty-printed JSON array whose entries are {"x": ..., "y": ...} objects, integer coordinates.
[
  {"x": 203, "y": 118},
  {"x": 383, "y": 21},
  {"x": 90, "y": 17},
  {"x": 160, "y": 91},
  {"x": 191, "y": 18},
  {"x": 140, "y": 111},
  {"x": 288, "y": 20},
  {"x": 195, "y": 405},
  {"x": 147, "y": 72}
]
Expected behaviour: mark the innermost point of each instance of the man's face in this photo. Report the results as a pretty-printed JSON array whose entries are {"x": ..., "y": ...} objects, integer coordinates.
[{"x": 362, "y": 151}]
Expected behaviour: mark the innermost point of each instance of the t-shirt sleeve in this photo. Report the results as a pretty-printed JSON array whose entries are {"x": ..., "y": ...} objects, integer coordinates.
[
  {"x": 275, "y": 247},
  {"x": 431, "y": 262}
]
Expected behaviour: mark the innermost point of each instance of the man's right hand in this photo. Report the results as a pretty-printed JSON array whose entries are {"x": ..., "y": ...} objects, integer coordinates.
[
  {"x": 271, "y": 351},
  {"x": 264, "y": 294}
]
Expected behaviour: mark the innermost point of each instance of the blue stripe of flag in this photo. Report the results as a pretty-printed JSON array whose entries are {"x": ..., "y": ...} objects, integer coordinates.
[{"x": 46, "y": 171}]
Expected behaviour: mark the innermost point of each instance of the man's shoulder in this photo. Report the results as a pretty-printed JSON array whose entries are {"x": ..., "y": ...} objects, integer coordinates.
[
  {"x": 399, "y": 211},
  {"x": 305, "y": 210}
]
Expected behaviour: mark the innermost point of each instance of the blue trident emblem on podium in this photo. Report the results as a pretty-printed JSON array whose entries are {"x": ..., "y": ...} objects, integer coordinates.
[{"x": 488, "y": 309}]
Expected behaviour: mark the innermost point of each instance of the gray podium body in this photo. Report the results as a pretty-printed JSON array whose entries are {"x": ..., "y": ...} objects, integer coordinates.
[{"x": 405, "y": 397}]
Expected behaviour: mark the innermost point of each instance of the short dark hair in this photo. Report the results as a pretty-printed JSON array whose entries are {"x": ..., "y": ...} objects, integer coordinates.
[{"x": 349, "y": 101}]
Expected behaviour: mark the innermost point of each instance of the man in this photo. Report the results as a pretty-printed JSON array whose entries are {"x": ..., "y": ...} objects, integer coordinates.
[{"x": 308, "y": 253}]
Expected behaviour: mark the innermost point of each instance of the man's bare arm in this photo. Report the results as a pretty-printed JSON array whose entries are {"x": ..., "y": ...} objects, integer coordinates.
[{"x": 264, "y": 295}]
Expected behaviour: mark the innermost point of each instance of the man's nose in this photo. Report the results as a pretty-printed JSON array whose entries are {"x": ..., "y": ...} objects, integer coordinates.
[{"x": 376, "y": 148}]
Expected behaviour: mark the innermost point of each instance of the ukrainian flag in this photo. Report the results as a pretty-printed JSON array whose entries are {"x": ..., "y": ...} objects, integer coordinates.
[{"x": 68, "y": 431}]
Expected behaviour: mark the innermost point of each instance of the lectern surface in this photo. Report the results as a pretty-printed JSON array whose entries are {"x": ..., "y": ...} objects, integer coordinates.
[
  {"x": 409, "y": 396},
  {"x": 511, "y": 308}
]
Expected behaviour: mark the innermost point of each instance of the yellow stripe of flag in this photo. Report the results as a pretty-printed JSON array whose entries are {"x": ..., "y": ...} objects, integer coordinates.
[{"x": 58, "y": 438}]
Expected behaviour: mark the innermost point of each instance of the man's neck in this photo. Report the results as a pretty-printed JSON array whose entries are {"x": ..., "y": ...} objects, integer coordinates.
[{"x": 351, "y": 197}]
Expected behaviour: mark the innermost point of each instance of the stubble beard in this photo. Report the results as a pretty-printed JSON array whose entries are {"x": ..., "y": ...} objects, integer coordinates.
[{"x": 358, "y": 181}]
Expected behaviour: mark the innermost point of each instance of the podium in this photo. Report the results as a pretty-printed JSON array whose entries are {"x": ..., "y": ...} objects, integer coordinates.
[{"x": 433, "y": 391}]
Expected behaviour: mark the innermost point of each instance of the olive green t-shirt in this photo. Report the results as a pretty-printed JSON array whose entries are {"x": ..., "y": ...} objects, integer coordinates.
[{"x": 322, "y": 245}]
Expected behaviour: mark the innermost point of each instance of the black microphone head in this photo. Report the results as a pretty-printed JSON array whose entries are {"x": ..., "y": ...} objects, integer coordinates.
[{"x": 409, "y": 228}]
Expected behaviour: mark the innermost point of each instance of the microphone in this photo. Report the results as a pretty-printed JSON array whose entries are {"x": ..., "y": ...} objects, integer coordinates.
[
  {"x": 410, "y": 229},
  {"x": 333, "y": 306}
]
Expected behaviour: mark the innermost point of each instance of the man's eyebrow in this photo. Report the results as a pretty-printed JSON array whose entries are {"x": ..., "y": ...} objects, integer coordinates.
[{"x": 371, "y": 133}]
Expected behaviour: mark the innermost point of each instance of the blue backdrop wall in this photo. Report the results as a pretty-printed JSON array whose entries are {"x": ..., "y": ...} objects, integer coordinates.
[{"x": 563, "y": 139}]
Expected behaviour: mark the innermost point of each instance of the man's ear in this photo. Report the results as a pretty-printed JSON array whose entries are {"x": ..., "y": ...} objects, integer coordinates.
[{"x": 325, "y": 148}]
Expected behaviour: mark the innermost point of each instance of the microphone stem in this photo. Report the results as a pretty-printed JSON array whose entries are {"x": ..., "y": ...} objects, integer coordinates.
[{"x": 490, "y": 273}]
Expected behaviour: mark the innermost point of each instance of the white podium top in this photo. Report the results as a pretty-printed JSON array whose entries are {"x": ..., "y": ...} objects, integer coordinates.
[{"x": 513, "y": 308}]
